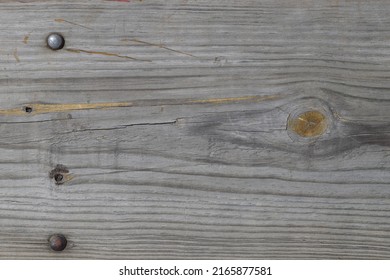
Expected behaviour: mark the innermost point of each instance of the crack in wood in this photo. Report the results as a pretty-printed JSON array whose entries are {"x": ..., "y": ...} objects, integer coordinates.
[{"x": 105, "y": 54}]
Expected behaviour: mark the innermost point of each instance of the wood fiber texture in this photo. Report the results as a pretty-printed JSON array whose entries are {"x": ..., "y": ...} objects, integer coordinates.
[{"x": 170, "y": 123}]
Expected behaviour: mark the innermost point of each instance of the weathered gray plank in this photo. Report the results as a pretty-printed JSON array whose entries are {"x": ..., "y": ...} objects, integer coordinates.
[{"x": 172, "y": 119}]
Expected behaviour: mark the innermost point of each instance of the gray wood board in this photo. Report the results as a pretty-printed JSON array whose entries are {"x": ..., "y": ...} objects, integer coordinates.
[{"x": 171, "y": 117}]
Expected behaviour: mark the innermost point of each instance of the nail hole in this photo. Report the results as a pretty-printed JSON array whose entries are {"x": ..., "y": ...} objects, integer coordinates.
[
  {"x": 58, "y": 178},
  {"x": 58, "y": 174},
  {"x": 27, "y": 109},
  {"x": 58, "y": 242}
]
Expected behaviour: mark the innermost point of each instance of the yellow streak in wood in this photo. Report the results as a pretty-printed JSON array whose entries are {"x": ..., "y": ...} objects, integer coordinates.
[
  {"x": 26, "y": 38},
  {"x": 56, "y": 108},
  {"x": 16, "y": 55},
  {"x": 67, "y": 177}
]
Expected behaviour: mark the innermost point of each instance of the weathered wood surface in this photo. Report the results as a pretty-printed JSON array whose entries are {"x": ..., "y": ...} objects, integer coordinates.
[{"x": 171, "y": 117}]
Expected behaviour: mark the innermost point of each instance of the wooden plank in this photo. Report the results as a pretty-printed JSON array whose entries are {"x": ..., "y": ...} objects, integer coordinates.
[{"x": 182, "y": 127}]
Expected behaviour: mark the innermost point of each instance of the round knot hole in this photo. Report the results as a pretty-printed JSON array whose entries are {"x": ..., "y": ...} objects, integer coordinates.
[{"x": 27, "y": 109}]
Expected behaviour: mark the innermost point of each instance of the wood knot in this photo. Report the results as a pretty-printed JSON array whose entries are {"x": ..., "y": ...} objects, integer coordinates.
[
  {"x": 308, "y": 124},
  {"x": 59, "y": 174}
]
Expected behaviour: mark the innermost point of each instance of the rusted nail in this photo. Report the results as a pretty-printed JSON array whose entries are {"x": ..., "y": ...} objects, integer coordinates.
[
  {"x": 55, "y": 41},
  {"x": 58, "y": 242}
]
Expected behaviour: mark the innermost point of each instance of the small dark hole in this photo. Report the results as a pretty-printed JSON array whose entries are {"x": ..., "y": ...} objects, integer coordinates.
[
  {"x": 58, "y": 178},
  {"x": 28, "y": 109}
]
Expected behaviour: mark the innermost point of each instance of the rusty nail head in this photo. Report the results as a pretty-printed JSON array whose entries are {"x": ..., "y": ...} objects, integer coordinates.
[{"x": 58, "y": 242}]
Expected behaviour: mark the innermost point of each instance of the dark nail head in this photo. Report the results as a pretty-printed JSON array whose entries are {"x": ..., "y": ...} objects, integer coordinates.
[{"x": 57, "y": 242}]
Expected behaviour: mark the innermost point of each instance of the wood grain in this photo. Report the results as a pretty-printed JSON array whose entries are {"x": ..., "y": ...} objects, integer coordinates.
[{"x": 172, "y": 119}]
